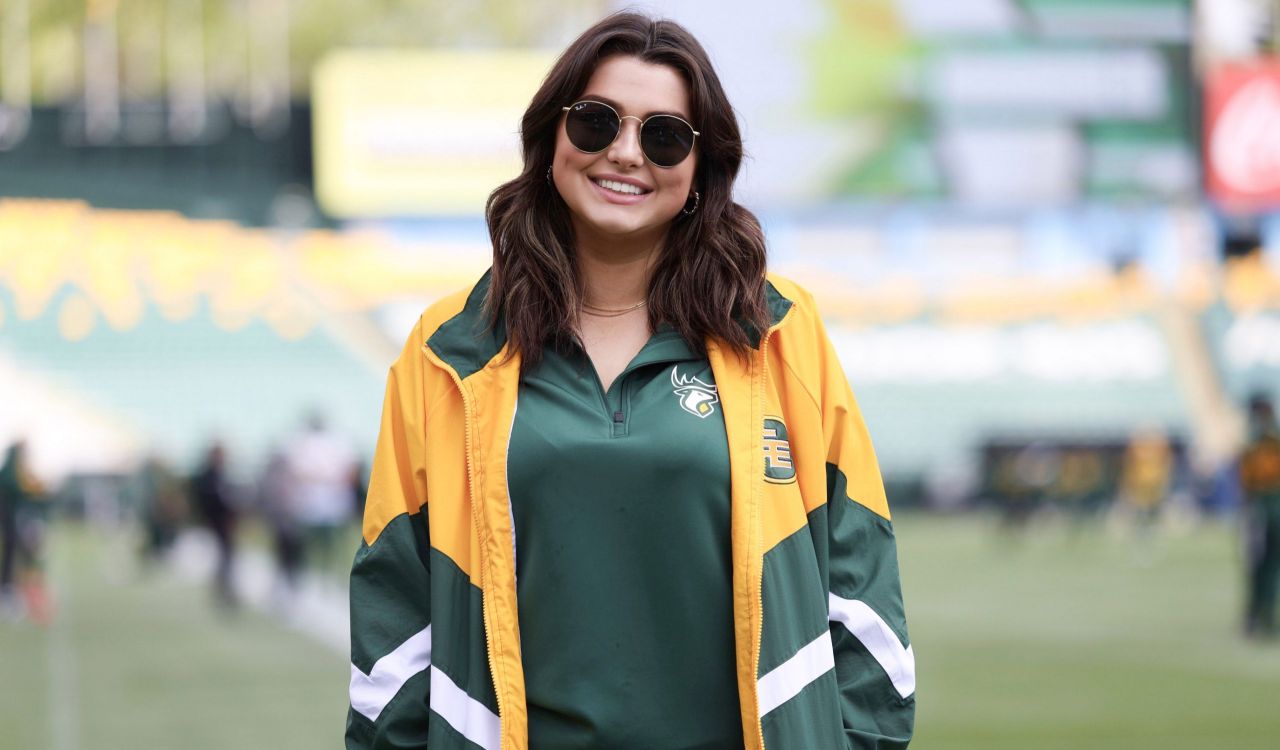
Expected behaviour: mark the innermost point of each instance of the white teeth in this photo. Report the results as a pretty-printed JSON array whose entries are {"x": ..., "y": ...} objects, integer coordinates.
[{"x": 620, "y": 187}]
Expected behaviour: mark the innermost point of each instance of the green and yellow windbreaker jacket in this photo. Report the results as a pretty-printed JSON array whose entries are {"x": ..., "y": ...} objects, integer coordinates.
[{"x": 823, "y": 656}]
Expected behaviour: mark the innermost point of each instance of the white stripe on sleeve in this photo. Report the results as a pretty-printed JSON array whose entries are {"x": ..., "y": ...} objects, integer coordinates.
[
  {"x": 370, "y": 693},
  {"x": 468, "y": 716},
  {"x": 879, "y": 639},
  {"x": 786, "y": 680}
]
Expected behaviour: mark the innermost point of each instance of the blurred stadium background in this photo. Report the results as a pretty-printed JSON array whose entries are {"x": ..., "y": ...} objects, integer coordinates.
[{"x": 1045, "y": 233}]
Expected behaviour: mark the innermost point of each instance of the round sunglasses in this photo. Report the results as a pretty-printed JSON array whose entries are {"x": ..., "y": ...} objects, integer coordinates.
[{"x": 666, "y": 140}]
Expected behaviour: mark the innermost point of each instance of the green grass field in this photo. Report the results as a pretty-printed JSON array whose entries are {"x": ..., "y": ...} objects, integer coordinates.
[
  {"x": 148, "y": 665},
  {"x": 1053, "y": 640},
  {"x": 1069, "y": 640}
]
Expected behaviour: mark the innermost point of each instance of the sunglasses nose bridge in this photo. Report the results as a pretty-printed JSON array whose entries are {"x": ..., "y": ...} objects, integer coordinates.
[
  {"x": 628, "y": 142},
  {"x": 622, "y": 122}
]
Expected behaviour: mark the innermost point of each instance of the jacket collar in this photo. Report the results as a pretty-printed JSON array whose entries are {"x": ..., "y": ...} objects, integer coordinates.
[{"x": 467, "y": 342}]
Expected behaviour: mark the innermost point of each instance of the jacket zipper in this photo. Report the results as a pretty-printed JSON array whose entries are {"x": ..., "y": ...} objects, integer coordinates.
[
  {"x": 468, "y": 417},
  {"x": 755, "y": 668}
]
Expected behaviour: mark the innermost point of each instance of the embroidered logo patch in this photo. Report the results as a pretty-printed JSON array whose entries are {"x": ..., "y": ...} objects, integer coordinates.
[
  {"x": 696, "y": 397},
  {"x": 778, "y": 467}
]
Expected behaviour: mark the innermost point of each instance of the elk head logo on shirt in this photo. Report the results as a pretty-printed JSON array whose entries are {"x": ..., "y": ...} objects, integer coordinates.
[{"x": 696, "y": 397}]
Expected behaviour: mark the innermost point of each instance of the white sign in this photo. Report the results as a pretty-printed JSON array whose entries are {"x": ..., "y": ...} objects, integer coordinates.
[{"x": 920, "y": 353}]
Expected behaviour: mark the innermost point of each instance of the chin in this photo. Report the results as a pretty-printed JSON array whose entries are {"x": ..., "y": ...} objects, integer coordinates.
[
  {"x": 637, "y": 232},
  {"x": 620, "y": 228},
  {"x": 620, "y": 224}
]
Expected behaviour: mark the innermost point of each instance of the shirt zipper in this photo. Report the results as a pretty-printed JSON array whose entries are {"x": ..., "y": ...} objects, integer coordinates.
[
  {"x": 468, "y": 411},
  {"x": 617, "y": 416}
]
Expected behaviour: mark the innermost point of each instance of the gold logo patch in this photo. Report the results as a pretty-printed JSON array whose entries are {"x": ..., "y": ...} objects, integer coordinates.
[{"x": 778, "y": 467}]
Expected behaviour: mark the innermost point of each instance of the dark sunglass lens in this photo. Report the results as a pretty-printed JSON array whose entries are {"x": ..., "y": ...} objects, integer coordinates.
[
  {"x": 591, "y": 127},
  {"x": 666, "y": 140}
]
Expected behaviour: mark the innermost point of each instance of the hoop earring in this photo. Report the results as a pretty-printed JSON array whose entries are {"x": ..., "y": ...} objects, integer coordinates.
[{"x": 686, "y": 211}]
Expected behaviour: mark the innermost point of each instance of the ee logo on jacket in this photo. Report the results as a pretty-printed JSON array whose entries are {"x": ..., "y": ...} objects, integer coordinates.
[{"x": 778, "y": 468}]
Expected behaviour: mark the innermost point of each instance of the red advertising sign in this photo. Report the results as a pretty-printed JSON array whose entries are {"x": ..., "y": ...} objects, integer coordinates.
[{"x": 1242, "y": 136}]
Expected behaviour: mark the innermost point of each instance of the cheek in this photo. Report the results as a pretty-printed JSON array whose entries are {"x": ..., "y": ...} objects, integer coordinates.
[
  {"x": 684, "y": 174},
  {"x": 678, "y": 182},
  {"x": 565, "y": 162},
  {"x": 563, "y": 152}
]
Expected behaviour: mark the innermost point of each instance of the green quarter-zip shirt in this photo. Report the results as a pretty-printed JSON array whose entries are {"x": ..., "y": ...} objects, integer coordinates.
[{"x": 620, "y": 502}]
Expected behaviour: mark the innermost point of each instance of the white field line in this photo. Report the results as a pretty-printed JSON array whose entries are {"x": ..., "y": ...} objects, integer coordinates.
[
  {"x": 317, "y": 609},
  {"x": 63, "y": 686}
]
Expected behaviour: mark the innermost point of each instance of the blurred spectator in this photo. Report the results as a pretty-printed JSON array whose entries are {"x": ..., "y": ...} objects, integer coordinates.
[
  {"x": 359, "y": 487},
  {"x": 1023, "y": 480},
  {"x": 1082, "y": 485},
  {"x": 276, "y": 500},
  {"x": 1146, "y": 477},
  {"x": 23, "y": 515},
  {"x": 160, "y": 506},
  {"x": 212, "y": 496},
  {"x": 1222, "y": 495},
  {"x": 323, "y": 471},
  {"x": 8, "y": 538},
  {"x": 1260, "y": 480}
]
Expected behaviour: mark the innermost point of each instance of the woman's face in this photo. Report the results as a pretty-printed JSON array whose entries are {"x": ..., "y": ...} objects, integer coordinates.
[{"x": 639, "y": 89}]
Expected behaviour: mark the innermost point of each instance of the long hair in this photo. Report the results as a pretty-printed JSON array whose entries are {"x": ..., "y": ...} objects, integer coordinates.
[{"x": 709, "y": 279}]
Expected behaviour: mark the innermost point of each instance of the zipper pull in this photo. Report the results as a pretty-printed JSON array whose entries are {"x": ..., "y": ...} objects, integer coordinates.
[{"x": 617, "y": 417}]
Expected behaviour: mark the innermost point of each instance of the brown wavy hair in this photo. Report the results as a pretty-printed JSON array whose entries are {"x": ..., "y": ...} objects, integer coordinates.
[{"x": 709, "y": 279}]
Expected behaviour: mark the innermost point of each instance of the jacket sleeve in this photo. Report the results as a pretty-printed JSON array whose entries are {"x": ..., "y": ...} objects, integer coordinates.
[
  {"x": 391, "y": 576},
  {"x": 875, "y": 664}
]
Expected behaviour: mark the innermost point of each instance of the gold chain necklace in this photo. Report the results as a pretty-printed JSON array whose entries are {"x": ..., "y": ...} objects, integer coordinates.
[{"x": 604, "y": 312}]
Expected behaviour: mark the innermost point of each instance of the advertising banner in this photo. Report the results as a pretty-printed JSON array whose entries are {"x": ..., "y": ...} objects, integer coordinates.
[
  {"x": 1242, "y": 136},
  {"x": 419, "y": 133}
]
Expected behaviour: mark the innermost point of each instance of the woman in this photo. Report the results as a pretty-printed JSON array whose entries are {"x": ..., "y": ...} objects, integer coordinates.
[{"x": 570, "y": 540}]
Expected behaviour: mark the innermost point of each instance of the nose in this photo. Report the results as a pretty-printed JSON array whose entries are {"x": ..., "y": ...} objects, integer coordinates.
[{"x": 625, "y": 150}]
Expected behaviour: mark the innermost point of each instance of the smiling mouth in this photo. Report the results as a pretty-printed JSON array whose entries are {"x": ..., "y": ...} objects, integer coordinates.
[{"x": 621, "y": 188}]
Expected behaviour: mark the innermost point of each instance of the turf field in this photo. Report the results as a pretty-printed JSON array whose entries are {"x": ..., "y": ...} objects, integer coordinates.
[
  {"x": 148, "y": 665},
  {"x": 1055, "y": 639},
  {"x": 1071, "y": 639}
]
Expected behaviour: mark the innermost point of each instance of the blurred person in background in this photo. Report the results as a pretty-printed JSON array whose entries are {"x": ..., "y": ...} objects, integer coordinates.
[
  {"x": 276, "y": 501},
  {"x": 646, "y": 579},
  {"x": 1082, "y": 484},
  {"x": 1260, "y": 481},
  {"x": 9, "y": 491},
  {"x": 359, "y": 487},
  {"x": 23, "y": 518},
  {"x": 161, "y": 507},
  {"x": 1146, "y": 478},
  {"x": 1021, "y": 479},
  {"x": 321, "y": 467},
  {"x": 211, "y": 495}
]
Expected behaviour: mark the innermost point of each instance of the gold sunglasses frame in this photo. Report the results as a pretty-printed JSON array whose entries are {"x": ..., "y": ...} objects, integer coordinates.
[{"x": 622, "y": 117}]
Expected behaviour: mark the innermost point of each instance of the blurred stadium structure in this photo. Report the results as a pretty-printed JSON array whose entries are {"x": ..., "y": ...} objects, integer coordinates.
[
  {"x": 1040, "y": 221},
  {"x": 1045, "y": 233}
]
